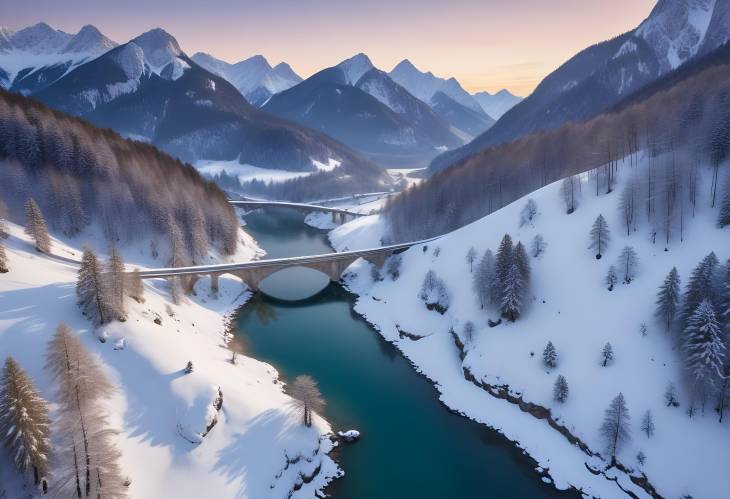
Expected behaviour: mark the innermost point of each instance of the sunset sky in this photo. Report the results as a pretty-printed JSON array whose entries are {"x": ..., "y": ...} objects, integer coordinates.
[{"x": 485, "y": 44}]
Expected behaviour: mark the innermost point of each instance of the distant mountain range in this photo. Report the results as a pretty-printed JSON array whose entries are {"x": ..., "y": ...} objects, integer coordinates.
[
  {"x": 495, "y": 105},
  {"x": 600, "y": 76}
]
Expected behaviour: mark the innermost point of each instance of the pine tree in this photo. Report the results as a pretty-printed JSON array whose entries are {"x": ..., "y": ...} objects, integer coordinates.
[
  {"x": 627, "y": 262},
  {"x": 600, "y": 236},
  {"x": 724, "y": 296},
  {"x": 136, "y": 287},
  {"x": 483, "y": 278},
  {"x": 724, "y": 216},
  {"x": 560, "y": 390},
  {"x": 115, "y": 283},
  {"x": 668, "y": 299},
  {"x": 550, "y": 356},
  {"x": 24, "y": 423},
  {"x": 512, "y": 293},
  {"x": 606, "y": 354},
  {"x": 471, "y": 255},
  {"x": 3, "y": 259},
  {"x": 36, "y": 226},
  {"x": 647, "y": 424},
  {"x": 616, "y": 426},
  {"x": 704, "y": 346},
  {"x": 519, "y": 256},
  {"x": 502, "y": 265},
  {"x": 88, "y": 459},
  {"x": 92, "y": 291},
  {"x": 700, "y": 287},
  {"x": 611, "y": 278},
  {"x": 305, "y": 392}
]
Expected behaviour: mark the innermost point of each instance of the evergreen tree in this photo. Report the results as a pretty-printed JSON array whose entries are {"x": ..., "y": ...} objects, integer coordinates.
[
  {"x": 307, "y": 396},
  {"x": 600, "y": 236},
  {"x": 611, "y": 278},
  {"x": 647, "y": 424},
  {"x": 136, "y": 287},
  {"x": 92, "y": 291},
  {"x": 700, "y": 287},
  {"x": 115, "y": 283},
  {"x": 560, "y": 390},
  {"x": 483, "y": 278},
  {"x": 189, "y": 367},
  {"x": 36, "y": 227},
  {"x": 24, "y": 423},
  {"x": 704, "y": 346},
  {"x": 724, "y": 296},
  {"x": 519, "y": 256},
  {"x": 627, "y": 262},
  {"x": 667, "y": 303},
  {"x": 616, "y": 426},
  {"x": 550, "y": 356},
  {"x": 434, "y": 293},
  {"x": 606, "y": 354},
  {"x": 471, "y": 255},
  {"x": 512, "y": 293},
  {"x": 3, "y": 259},
  {"x": 502, "y": 265},
  {"x": 724, "y": 216}
]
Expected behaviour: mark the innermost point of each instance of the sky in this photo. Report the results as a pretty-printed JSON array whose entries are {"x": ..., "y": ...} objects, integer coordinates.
[{"x": 485, "y": 44}]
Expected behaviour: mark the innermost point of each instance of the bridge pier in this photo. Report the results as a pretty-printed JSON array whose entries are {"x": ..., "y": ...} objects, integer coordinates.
[
  {"x": 214, "y": 282},
  {"x": 378, "y": 259},
  {"x": 334, "y": 217}
]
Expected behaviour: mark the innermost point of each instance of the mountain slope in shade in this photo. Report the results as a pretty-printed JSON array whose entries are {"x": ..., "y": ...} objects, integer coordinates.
[
  {"x": 327, "y": 102},
  {"x": 598, "y": 77},
  {"x": 253, "y": 77},
  {"x": 34, "y": 57},
  {"x": 460, "y": 116},
  {"x": 425, "y": 85},
  {"x": 187, "y": 110},
  {"x": 495, "y": 105}
]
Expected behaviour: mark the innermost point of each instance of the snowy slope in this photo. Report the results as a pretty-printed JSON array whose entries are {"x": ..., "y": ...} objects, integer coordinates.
[
  {"x": 355, "y": 67},
  {"x": 570, "y": 306},
  {"x": 257, "y": 449}
]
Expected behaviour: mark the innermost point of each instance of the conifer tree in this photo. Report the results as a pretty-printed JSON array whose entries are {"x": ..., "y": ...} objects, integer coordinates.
[
  {"x": 512, "y": 293},
  {"x": 700, "y": 287},
  {"x": 647, "y": 424},
  {"x": 550, "y": 355},
  {"x": 606, "y": 354},
  {"x": 483, "y": 278},
  {"x": 305, "y": 392},
  {"x": 704, "y": 346},
  {"x": 502, "y": 265},
  {"x": 724, "y": 216},
  {"x": 115, "y": 283},
  {"x": 627, "y": 262},
  {"x": 668, "y": 299},
  {"x": 600, "y": 236},
  {"x": 24, "y": 423},
  {"x": 92, "y": 290},
  {"x": 560, "y": 390},
  {"x": 670, "y": 395},
  {"x": 611, "y": 278},
  {"x": 519, "y": 256},
  {"x": 3, "y": 259},
  {"x": 616, "y": 426},
  {"x": 36, "y": 227},
  {"x": 724, "y": 296},
  {"x": 136, "y": 287}
]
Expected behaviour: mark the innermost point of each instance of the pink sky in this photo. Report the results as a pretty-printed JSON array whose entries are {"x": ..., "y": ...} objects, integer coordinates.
[{"x": 485, "y": 44}]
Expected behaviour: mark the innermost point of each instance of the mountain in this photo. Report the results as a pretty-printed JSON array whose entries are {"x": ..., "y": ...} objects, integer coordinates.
[
  {"x": 460, "y": 116},
  {"x": 34, "y": 57},
  {"x": 355, "y": 67},
  {"x": 328, "y": 102},
  {"x": 601, "y": 75},
  {"x": 253, "y": 77},
  {"x": 148, "y": 89},
  {"x": 495, "y": 105},
  {"x": 425, "y": 85}
]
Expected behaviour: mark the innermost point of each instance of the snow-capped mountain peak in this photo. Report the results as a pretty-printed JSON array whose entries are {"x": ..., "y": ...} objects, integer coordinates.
[
  {"x": 89, "y": 40},
  {"x": 159, "y": 47},
  {"x": 495, "y": 105},
  {"x": 39, "y": 38},
  {"x": 355, "y": 67}
]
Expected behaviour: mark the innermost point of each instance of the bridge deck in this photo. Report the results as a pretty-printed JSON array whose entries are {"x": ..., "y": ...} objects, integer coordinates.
[{"x": 299, "y": 206}]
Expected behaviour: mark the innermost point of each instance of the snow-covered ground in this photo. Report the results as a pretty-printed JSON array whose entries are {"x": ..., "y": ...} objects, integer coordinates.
[
  {"x": 257, "y": 449},
  {"x": 570, "y": 306},
  {"x": 246, "y": 173},
  {"x": 367, "y": 205},
  {"x": 407, "y": 174}
]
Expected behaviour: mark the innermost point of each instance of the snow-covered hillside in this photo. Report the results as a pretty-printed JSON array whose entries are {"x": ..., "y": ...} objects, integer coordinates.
[
  {"x": 258, "y": 446},
  {"x": 569, "y": 305}
]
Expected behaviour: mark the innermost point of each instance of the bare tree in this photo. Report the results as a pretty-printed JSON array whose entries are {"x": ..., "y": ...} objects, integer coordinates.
[
  {"x": 616, "y": 426},
  {"x": 115, "y": 283},
  {"x": 3, "y": 259},
  {"x": 570, "y": 193},
  {"x": 3, "y": 217},
  {"x": 308, "y": 397},
  {"x": 627, "y": 262},
  {"x": 647, "y": 424},
  {"x": 471, "y": 255},
  {"x": 92, "y": 290}
]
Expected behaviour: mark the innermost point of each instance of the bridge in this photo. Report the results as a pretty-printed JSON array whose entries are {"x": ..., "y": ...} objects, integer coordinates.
[
  {"x": 252, "y": 273},
  {"x": 337, "y": 213}
]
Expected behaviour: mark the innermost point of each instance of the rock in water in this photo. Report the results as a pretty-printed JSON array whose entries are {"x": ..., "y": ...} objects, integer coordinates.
[{"x": 349, "y": 435}]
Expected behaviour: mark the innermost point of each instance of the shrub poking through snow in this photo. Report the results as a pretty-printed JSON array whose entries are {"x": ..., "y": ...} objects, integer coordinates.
[
  {"x": 600, "y": 236},
  {"x": 434, "y": 293},
  {"x": 560, "y": 390},
  {"x": 306, "y": 393},
  {"x": 616, "y": 426}
]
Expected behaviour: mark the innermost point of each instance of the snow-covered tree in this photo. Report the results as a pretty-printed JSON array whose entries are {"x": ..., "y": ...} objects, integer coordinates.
[
  {"x": 538, "y": 245},
  {"x": 512, "y": 293},
  {"x": 305, "y": 391},
  {"x": 704, "y": 346},
  {"x": 483, "y": 278},
  {"x": 628, "y": 261},
  {"x": 92, "y": 290},
  {"x": 606, "y": 354},
  {"x": 616, "y": 429},
  {"x": 667, "y": 303},
  {"x": 24, "y": 423},
  {"x": 116, "y": 283},
  {"x": 35, "y": 226},
  {"x": 502, "y": 265},
  {"x": 611, "y": 278},
  {"x": 724, "y": 217},
  {"x": 528, "y": 213},
  {"x": 550, "y": 355},
  {"x": 87, "y": 458},
  {"x": 600, "y": 236},
  {"x": 700, "y": 287},
  {"x": 189, "y": 368},
  {"x": 471, "y": 255},
  {"x": 393, "y": 265},
  {"x": 670, "y": 395},
  {"x": 629, "y": 197},
  {"x": 3, "y": 259},
  {"x": 520, "y": 258},
  {"x": 136, "y": 287},
  {"x": 560, "y": 389},
  {"x": 468, "y": 334},
  {"x": 647, "y": 424},
  {"x": 434, "y": 293}
]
